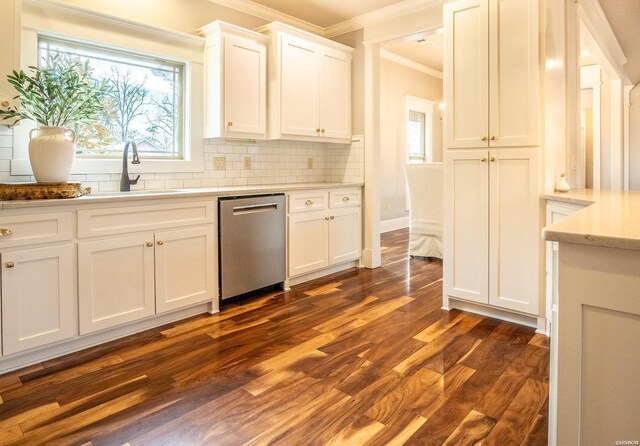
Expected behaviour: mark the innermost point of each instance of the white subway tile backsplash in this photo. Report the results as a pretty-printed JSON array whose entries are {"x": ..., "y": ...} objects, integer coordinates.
[{"x": 272, "y": 162}]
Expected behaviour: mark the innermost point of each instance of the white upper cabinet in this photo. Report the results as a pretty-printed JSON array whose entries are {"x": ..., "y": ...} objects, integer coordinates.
[
  {"x": 492, "y": 73},
  {"x": 309, "y": 86},
  {"x": 9, "y": 48},
  {"x": 236, "y": 82}
]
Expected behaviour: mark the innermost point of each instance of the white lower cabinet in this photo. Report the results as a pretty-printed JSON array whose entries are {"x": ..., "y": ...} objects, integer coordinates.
[
  {"x": 185, "y": 267},
  {"x": 327, "y": 237},
  {"x": 125, "y": 279},
  {"x": 116, "y": 281},
  {"x": 492, "y": 228},
  {"x": 38, "y": 297}
]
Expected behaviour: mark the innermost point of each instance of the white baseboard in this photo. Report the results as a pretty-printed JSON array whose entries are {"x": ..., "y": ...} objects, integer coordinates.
[
  {"x": 517, "y": 318},
  {"x": 392, "y": 225},
  {"x": 323, "y": 272}
]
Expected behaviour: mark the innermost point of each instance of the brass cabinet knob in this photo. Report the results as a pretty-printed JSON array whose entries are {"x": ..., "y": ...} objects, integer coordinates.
[
  {"x": 9, "y": 264},
  {"x": 483, "y": 159},
  {"x": 484, "y": 138},
  {"x": 345, "y": 198},
  {"x": 4, "y": 231},
  {"x": 332, "y": 217},
  {"x": 317, "y": 130},
  {"x": 308, "y": 202},
  {"x": 326, "y": 218},
  {"x": 493, "y": 138},
  {"x": 160, "y": 242},
  {"x": 149, "y": 244},
  {"x": 493, "y": 159},
  {"x": 5, "y": 103},
  {"x": 322, "y": 130},
  {"x": 229, "y": 124}
]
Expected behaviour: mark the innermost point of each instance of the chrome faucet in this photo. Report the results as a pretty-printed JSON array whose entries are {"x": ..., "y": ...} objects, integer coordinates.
[{"x": 125, "y": 182}]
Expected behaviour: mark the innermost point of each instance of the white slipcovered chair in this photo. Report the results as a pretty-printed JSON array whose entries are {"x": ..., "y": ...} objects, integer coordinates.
[{"x": 425, "y": 220}]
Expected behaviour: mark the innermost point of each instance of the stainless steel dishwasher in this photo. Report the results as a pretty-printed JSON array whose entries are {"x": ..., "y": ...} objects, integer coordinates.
[{"x": 251, "y": 235}]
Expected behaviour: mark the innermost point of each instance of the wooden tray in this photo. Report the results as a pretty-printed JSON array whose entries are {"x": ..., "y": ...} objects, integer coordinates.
[{"x": 41, "y": 191}]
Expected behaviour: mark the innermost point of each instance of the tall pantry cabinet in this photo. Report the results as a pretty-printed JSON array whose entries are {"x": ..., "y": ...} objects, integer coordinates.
[{"x": 491, "y": 227}]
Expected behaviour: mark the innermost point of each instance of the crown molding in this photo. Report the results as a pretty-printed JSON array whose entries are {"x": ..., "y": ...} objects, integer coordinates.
[
  {"x": 266, "y": 13},
  {"x": 395, "y": 10},
  {"x": 341, "y": 28},
  {"x": 600, "y": 29},
  {"x": 393, "y": 57}
]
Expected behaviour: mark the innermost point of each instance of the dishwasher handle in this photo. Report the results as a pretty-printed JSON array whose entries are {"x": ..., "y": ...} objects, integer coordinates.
[{"x": 251, "y": 208}]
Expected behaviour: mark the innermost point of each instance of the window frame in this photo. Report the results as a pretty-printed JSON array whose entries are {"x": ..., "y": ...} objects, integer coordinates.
[
  {"x": 425, "y": 106},
  {"x": 120, "y": 35}
]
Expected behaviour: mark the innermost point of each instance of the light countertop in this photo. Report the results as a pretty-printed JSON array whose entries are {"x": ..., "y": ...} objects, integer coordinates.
[
  {"x": 610, "y": 219},
  {"x": 134, "y": 195}
]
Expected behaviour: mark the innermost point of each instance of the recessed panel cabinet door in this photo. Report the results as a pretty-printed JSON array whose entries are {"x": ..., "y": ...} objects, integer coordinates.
[
  {"x": 38, "y": 297},
  {"x": 335, "y": 95},
  {"x": 466, "y": 60},
  {"x": 514, "y": 230},
  {"x": 466, "y": 219},
  {"x": 245, "y": 86},
  {"x": 308, "y": 242},
  {"x": 185, "y": 268},
  {"x": 299, "y": 101},
  {"x": 344, "y": 235},
  {"x": 115, "y": 281},
  {"x": 514, "y": 73}
]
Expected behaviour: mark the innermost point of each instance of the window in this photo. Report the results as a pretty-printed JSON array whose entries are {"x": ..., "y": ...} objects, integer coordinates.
[
  {"x": 145, "y": 102},
  {"x": 418, "y": 114}
]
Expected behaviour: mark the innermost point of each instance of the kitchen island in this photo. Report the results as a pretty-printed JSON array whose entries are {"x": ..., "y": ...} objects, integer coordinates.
[{"x": 595, "y": 391}]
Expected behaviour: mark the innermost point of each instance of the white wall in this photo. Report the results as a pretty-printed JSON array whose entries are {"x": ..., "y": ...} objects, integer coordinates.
[
  {"x": 634, "y": 139},
  {"x": 396, "y": 81}
]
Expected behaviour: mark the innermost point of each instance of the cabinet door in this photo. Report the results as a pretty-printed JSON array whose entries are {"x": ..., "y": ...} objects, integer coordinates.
[
  {"x": 298, "y": 83},
  {"x": 514, "y": 230},
  {"x": 466, "y": 62},
  {"x": 335, "y": 95},
  {"x": 466, "y": 231},
  {"x": 308, "y": 242},
  {"x": 185, "y": 268},
  {"x": 38, "y": 297},
  {"x": 344, "y": 235},
  {"x": 513, "y": 73},
  {"x": 245, "y": 83},
  {"x": 9, "y": 46},
  {"x": 116, "y": 281}
]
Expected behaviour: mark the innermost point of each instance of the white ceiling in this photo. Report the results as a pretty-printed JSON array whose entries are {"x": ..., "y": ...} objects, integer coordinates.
[
  {"x": 325, "y": 13},
  {"x": 624, "y": 18},
  {"x": 428, "y": 53}
]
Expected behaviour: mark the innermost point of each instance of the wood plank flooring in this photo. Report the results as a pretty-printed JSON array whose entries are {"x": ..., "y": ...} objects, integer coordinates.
[{"x": 361, "y": 357}]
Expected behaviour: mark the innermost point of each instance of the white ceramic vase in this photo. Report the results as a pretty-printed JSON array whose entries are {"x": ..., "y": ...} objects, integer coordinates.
[{"x": 51, "y": 152}]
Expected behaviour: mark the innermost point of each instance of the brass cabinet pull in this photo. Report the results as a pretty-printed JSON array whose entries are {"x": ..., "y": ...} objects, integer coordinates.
[
  {"x": 160, "y": 242},
  {"x": 229, "y": 124},
  {"x": 332, "y": 217},
  {"x": 493, "y": 138},
  {"x": 493, "y": 159},
  {"x": 345, "y": 198},
  {"x": 326, "y": 218},
  {"x": 308, "y": 202},
  {"x": 4, "y": 231},
  {"x": 322, "y": 130},
  {"x": 483, "y": 159},
  {"x": 10, "y": 264},
  {"x": 484, "y": 138},
  {"x": 149, "y": 244},
  {"x": 318, "y": 130}
]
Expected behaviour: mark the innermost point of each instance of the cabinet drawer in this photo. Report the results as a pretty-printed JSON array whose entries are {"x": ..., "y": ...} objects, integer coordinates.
[
  {"x": 31, "y": 229},
  {"x": 308, "y": 201},
  {"x": 342, "y": 198},
  {"x": 118, "y": 220}
]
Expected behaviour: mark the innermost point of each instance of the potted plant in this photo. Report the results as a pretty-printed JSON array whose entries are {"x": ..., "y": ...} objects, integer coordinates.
[{"x": 59, "y": 97}]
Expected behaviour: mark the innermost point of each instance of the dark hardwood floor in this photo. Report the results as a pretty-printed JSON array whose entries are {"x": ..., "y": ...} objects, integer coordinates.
[{"x": 360, "y": 357}]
